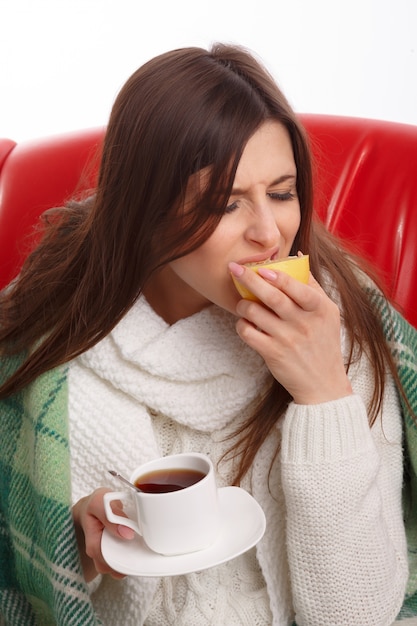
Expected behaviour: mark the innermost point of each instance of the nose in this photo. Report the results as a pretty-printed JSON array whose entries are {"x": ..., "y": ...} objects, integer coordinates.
[{"x": 262, "y": 228}]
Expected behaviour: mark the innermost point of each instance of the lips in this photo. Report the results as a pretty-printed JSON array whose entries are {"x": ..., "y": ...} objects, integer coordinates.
[{"x": 260, "y": 258}]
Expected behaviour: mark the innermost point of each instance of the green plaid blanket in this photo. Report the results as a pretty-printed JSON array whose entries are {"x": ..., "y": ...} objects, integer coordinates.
[
  {"x": 41, "y": 583},
  {"x": 402, "y": 338}
]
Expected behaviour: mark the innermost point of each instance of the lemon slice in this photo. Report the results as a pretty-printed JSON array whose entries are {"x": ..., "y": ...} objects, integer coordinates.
[{"x": 296, "y": 266}]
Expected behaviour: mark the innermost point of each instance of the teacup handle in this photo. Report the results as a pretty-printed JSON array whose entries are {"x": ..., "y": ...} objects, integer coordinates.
[{"x": 119, "y": 519}]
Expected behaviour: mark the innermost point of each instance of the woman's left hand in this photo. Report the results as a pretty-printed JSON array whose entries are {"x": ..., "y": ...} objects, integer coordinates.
[{"x": 296, "y": 329}]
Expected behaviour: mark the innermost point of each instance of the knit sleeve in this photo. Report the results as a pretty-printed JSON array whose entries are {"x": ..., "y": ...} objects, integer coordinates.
[{"x": 342, "y": 482}]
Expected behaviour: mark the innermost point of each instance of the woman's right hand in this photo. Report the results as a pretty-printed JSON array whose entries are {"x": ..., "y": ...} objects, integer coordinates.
[
  {"x": 90, "y": 520},
  {"x": 296, "y": 329}
]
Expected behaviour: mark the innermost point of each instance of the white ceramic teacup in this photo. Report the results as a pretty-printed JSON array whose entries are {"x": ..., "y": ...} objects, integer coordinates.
[{"x": 172, "y": 522}]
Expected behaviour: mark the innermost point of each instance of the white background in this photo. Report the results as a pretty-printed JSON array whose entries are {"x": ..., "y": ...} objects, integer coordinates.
[{"x": 62, "y": 62}]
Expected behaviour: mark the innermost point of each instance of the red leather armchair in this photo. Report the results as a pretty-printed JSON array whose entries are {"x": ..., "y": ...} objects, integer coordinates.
[{"x": 366, "y": 191}]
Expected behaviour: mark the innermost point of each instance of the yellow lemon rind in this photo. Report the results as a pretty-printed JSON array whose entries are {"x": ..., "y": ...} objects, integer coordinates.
[{"x": 296, "y": 266}]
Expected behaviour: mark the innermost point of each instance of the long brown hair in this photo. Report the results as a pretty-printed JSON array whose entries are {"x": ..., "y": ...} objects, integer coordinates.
[{"x": 180, "y": 112}]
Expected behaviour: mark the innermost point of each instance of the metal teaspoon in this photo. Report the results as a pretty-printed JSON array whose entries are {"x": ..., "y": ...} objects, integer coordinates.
[{"x": 124, "y": 480}]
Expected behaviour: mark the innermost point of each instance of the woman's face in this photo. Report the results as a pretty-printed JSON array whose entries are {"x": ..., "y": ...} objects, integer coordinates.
[{"x": 261, "y": 221}]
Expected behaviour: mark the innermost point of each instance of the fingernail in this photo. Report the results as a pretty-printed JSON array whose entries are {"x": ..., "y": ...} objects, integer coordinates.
[
  {"x": 266, "y": 273},
  {"x": 236, "y": 269},
  {"x": 125, "y": 532}
]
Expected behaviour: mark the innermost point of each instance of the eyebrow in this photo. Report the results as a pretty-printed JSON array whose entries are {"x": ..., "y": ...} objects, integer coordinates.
[{"x": 236, "y": 191}]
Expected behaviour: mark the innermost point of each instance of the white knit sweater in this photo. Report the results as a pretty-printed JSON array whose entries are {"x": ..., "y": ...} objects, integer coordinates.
[{"x": 334, "y": 550}]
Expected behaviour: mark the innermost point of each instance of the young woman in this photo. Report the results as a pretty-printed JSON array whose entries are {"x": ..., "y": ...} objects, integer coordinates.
[{"x": 125, "y": 335}]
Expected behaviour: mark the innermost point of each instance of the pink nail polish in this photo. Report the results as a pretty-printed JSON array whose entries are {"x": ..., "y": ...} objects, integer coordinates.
[
  {"x": 236, "y": 269},
  {"x": 266, "y": 273},
  {"x": 125, "y": 532}
]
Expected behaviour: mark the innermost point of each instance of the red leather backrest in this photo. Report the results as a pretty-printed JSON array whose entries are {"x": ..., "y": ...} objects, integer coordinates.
[
  {"x": 366, "y": 191},
  {"x": 36, "y": 176}
]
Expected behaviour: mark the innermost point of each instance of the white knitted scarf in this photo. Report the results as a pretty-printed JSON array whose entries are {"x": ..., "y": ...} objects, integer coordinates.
[{"x": 197, "y": 372}]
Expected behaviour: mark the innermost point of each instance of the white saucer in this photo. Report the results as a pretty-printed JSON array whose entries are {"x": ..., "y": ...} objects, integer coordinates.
[{"x": 243, "y": 525}]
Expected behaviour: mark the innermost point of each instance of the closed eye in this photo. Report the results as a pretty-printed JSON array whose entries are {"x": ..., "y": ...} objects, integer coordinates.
[
  {"x": 288, "y": 195},
  {"x": 231, "y": 207},
  {"x": 274, "y": 195}
]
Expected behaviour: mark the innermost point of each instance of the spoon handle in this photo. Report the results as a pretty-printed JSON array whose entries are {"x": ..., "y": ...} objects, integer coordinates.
[{"x": 124, "y": 480}]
